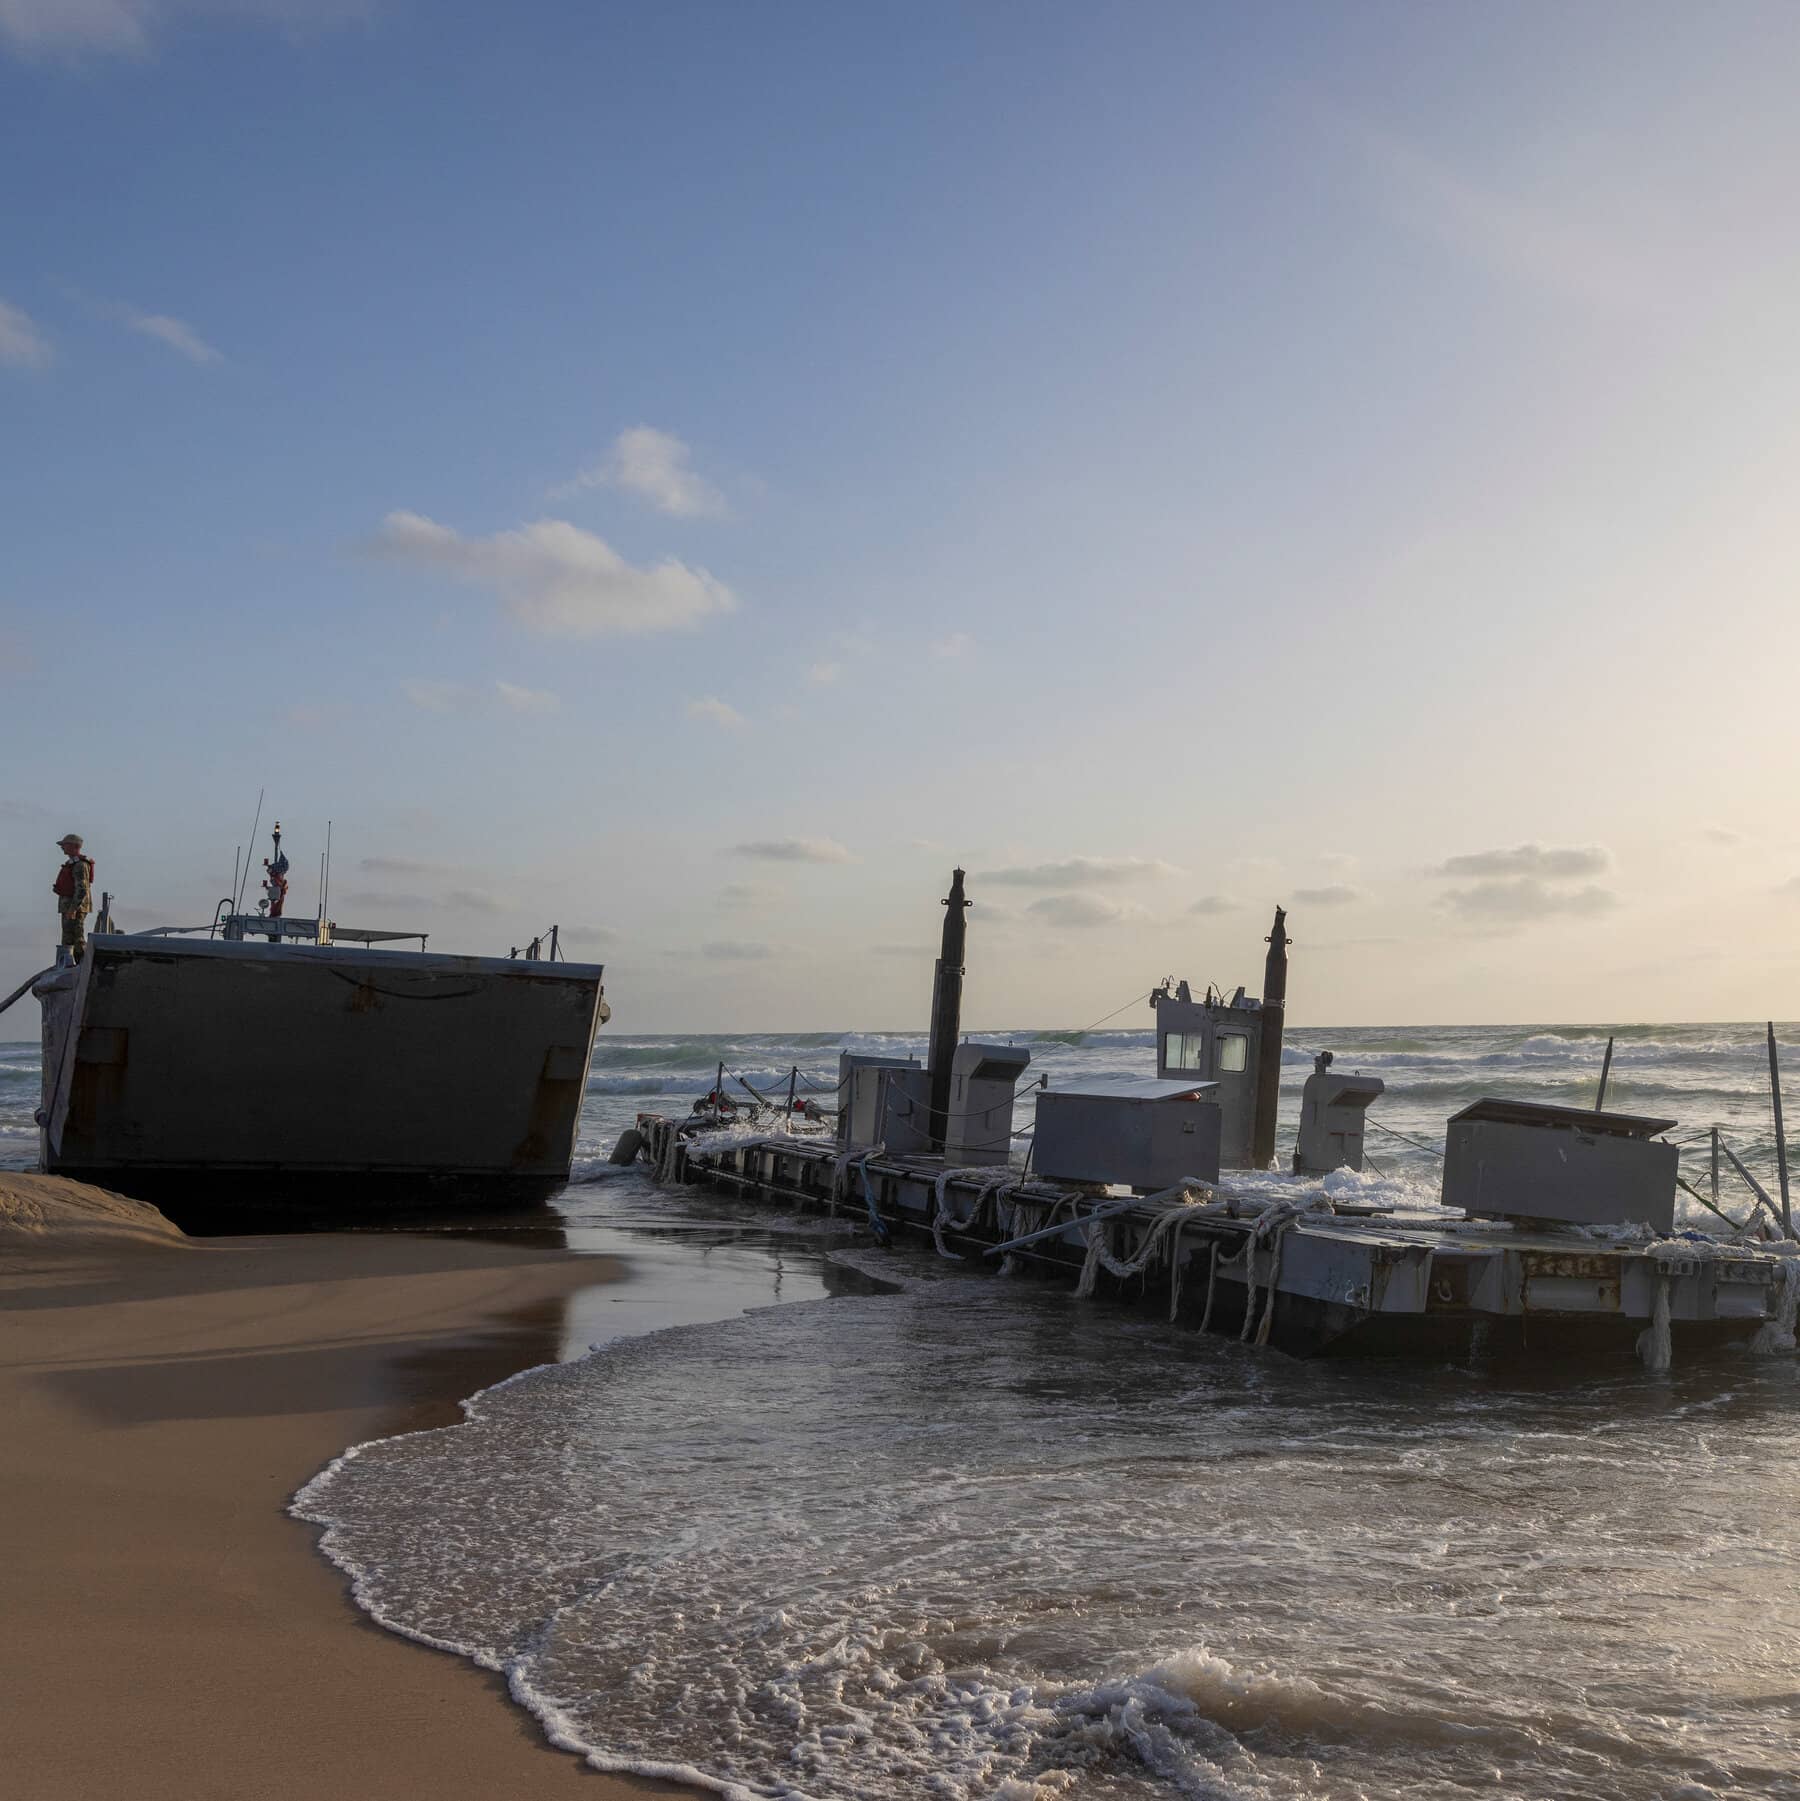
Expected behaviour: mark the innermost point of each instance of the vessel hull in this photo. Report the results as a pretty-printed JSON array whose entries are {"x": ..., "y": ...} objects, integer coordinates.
[{"x": 231, "y": 1082}]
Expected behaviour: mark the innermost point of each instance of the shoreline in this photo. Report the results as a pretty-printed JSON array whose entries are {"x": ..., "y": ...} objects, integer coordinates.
[{"x": 173, "y": 1631}]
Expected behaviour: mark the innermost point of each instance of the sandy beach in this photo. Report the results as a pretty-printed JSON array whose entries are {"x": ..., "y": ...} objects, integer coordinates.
[{"x": 170, "y": 1630}]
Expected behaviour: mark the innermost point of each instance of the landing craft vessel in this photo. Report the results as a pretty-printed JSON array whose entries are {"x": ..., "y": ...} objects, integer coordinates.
[
  {"x": 276, "y": 1069},
  {"x": 1556, "y": 1229}
]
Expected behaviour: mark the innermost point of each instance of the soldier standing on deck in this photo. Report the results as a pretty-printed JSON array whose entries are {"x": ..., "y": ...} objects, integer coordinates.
[{"x": 74, "y": 890}]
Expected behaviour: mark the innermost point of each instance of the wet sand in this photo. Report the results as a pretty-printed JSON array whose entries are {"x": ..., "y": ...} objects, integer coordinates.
[{"x": 170, "y": 1631}]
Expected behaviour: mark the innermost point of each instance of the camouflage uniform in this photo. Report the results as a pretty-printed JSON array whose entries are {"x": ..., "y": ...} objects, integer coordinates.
[{"x": 75, "y": 906}]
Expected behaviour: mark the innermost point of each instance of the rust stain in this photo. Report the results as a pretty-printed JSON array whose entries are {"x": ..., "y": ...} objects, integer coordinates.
[
  {"x": 1564, "y": 1263},
  {"x": 553, "y": 1106},
  {"x": 97, "y": 1082}
]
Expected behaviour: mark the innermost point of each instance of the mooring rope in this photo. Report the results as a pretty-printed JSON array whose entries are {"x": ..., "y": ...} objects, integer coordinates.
[
  {"x": 1212, "y": 1273},
  {"x": 1271, "y": 1227},
  {"x": 1177, "y": 1269},
  {"x": 943, "y": 1221},
  {"x": 1099, "y": 1257},
  {"x": 875, "y": 1221},
  {"x": 1418, "y": 1144},
  {"x": 25, "y": 986}
]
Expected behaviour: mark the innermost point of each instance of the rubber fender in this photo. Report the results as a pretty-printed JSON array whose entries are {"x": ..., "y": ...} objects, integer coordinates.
[{"x": 630, "y": 1146}]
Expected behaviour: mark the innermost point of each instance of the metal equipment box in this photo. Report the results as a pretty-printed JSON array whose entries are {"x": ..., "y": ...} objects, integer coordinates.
[
  {"x": 1331, "y": 1119},
  {"x": 1524, "y": 1160},
  {"x": 902, "y": 1110},
  {"x": 983, "y": 1081},
  {"x": 1146, "y": 1135},
  {"x": 859, "y": 1094}
]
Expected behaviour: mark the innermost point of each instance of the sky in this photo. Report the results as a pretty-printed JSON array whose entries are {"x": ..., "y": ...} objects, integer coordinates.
[{"x": 696, "y": 473}]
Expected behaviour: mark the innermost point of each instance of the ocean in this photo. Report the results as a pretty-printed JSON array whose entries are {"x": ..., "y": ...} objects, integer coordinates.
[{"x": 800, "y": 1518}]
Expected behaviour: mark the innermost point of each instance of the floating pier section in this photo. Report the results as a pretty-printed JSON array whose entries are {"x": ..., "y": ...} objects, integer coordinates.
[
  {"x": 1556, "y": 1233},
  {"x": 1281, "y": 1267}
]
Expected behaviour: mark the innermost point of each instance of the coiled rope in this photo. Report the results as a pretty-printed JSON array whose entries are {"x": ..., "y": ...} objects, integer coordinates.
[
  {"x": 1271, "y": 1228},
  {"x": 1100, "y": 1257}
]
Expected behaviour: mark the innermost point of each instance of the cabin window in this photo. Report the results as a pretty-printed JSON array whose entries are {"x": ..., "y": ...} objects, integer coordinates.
[
  {"x": 1234, "y": 1053},
  {"x": 1184, "y": 1050}
]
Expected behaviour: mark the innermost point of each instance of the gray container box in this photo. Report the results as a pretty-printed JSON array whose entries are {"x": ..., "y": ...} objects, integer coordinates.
[
  {"x": 1521, "y": 1160},
  {"x": 1332, "y": 1105},
  {"x": 859, "y": 1094},
  {"x": 983, "y": 1081},
  {"x": 1145, "y": 1135},
  {"x": 903, "y": 1111}
]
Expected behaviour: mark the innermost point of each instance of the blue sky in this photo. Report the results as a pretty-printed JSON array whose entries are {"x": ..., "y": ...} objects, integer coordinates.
[{"x": 695, "y": 472}]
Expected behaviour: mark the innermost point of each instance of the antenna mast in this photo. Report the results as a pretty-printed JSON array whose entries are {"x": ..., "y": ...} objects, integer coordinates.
[{"x": 237, "y": 898}]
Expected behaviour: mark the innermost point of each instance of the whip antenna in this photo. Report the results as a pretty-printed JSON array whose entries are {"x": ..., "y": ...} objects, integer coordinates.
[{"x": 237, "y": 904}]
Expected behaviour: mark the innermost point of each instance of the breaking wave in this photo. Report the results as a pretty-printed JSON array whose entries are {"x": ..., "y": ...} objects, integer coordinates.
[{"x": 969, "y": 1539}]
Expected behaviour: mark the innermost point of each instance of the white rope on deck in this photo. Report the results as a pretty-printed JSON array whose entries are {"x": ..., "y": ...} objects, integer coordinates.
[
  {"x": 988, "y": 1183},
  {"x": 1271, "y": 1227},
  {"x": 1212, "y": 1277},
  {"x": 1177, "y": 1269},
  {"x": 1180, "y": 1202},
  {"x": 1099, "y": 1257},
  {"x": 838, "y": 1189}
]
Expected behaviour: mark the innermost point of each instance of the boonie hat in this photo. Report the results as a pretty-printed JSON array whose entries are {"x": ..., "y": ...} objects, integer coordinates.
[{"x": 73, "y": 838}]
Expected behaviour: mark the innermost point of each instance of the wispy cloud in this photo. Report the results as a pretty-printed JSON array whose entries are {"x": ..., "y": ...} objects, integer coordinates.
[
  {"x": 439, "y": 697},
  {"x": 654, "y": 466},
  {"x": 1524, "y": 883},
  {"x": 1522, "y": 900},
  {"x": 554, "y": 578},
  {"x": 126, "y": 27},
  {"x": 794, "y": 850},
  {"x": 379, "y": 900},
  {"x": 911, "y": 952},
  {"x": 1555, "y": 863},
  {"x": 1537, "y": 238},
  {"x": 1209, "y": 905},
  {"x": 456, "y": 900},
  {"x": 517, "y": 699},
  {"x": 955, "y": 645},
  {"x": 750, "y": 894},
  {"x": 720, "y": 712},
  {"x": 589, "y": 935},
  {"x": 1079, "y": 872},
  {"x": 1334, "y": 894},
  {"x": 822, "y": 675},
  {"x": 464, "y": 697},
  {"x": 734, "y": 950},
  {"x": 1790, "y": 889},
  {"x": 1084, "y": 910},
  {"x": 22, "y": 344},
  {"x": 398, "y": 866},
  {"x": 177, "y": 334}
]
